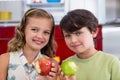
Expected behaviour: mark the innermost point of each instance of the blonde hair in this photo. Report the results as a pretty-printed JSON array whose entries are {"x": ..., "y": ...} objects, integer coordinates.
[{"x": 18, "y": 42}]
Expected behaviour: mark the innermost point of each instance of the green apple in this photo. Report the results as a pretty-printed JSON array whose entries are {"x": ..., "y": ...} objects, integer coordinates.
[{"x": 69, "y": 67}]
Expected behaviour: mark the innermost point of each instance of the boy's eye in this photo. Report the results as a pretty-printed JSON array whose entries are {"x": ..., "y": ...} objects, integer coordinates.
[
  {"x": 66, "y": 35},
  {"x": 77, "y": 33}
]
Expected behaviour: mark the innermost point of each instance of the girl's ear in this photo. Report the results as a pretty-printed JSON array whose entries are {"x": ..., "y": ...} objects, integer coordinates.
[{"x": 94, "y": 33}]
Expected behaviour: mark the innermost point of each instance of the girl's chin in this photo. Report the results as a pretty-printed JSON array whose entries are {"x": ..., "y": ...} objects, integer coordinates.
[{"x": 37, "y": 48}]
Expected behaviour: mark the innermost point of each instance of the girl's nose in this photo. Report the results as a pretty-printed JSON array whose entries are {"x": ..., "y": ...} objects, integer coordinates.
[{"x": 40, "y": 35}]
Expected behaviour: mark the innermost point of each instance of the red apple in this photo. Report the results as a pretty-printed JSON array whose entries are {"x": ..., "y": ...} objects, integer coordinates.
[{"x": 43, "y": 65}]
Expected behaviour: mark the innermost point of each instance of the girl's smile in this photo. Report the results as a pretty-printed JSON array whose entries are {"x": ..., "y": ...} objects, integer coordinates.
[{"x": 38, "y": 42}]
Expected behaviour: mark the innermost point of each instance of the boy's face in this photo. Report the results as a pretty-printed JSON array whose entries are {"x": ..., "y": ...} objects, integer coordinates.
[
  {"x": 37, "y": 33},
  {"x": 80, "y": 41}
]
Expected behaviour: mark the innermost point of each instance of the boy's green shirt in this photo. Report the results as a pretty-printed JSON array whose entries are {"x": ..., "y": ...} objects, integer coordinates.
[{"x": 101, "y": 66}]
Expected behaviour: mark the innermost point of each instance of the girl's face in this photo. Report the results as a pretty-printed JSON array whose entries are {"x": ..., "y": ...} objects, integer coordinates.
[
  {"x": 37, "y": 33},
  {"x": 80, "y": 41}
]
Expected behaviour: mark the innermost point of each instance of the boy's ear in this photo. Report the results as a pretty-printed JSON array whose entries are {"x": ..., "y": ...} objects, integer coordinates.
[{"x": 94, "y": 33}]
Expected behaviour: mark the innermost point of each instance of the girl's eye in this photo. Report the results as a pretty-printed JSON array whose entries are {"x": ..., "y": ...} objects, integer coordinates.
[
  {"x": 46, "y": 32},
  {"x": 34, "y": 29}
]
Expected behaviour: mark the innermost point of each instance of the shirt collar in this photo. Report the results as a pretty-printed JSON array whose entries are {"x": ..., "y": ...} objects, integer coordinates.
[{"x": 24, "y": 60}]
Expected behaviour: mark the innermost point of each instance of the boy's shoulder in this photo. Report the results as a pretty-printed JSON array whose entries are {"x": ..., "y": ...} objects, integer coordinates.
[
  {"x": 71, "y": 57},
  {"x": 108, "y": 56}
]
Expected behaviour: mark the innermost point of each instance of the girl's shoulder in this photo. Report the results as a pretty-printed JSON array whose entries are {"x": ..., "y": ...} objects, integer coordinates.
[
  {"x": 4, "y": 58},
  {"x": 4, "y": 62}
]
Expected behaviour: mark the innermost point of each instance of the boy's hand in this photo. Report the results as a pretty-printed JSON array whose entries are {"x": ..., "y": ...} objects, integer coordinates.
[
  {"x": 63, "y": 77},
  {"x": 69, "y": 77}
]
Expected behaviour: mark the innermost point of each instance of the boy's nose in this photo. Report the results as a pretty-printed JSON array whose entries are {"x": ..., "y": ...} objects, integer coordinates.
[{"x": 73, "y": 39}]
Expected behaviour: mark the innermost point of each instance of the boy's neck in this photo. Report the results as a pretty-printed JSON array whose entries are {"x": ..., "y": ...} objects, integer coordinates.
[{"x": 86, "y": 55}]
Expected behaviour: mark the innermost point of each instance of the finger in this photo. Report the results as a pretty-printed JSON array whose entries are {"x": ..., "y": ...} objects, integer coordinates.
[
  {"x": 54, "y": 71},
  {"x": 61, "y": 76},
  {"x": 51, "y": 78},
  {"x": 73, "y": 77}
]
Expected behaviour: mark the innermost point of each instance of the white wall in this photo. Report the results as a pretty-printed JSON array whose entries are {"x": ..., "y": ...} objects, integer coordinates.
[
  {"x": 15, "y": 7},
  {"x": 112, "y": 10},
  {"x": 97, "y": 7},
  {"x": 111, "y": 39}
]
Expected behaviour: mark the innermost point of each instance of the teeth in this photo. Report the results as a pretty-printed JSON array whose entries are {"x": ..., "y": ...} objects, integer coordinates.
[{"x": 37, "y": 67}]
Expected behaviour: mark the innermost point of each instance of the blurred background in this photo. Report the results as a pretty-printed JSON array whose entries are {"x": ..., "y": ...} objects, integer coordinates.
[{"x": 107, "y": 12}]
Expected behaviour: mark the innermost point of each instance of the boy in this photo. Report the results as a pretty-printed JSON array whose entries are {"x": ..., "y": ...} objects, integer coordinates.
[{"x": 80, "y": 28}]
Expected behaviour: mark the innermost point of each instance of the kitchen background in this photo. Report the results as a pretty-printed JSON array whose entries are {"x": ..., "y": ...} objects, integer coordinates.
[{"x": 107, "y": 12}]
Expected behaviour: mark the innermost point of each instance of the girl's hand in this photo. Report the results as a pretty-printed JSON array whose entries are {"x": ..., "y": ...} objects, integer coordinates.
[
  {"x": 52, "y": 74},
  {"x": 54, "y": 70}
]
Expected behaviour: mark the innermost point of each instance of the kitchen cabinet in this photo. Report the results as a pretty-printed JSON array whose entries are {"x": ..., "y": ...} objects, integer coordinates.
[
  {"x": 15, "y": 7},
  {"x": 6, "y": 33}
]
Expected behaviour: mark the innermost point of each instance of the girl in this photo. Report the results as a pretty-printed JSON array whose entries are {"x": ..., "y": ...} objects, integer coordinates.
[{"x": 34, "y": 38}]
